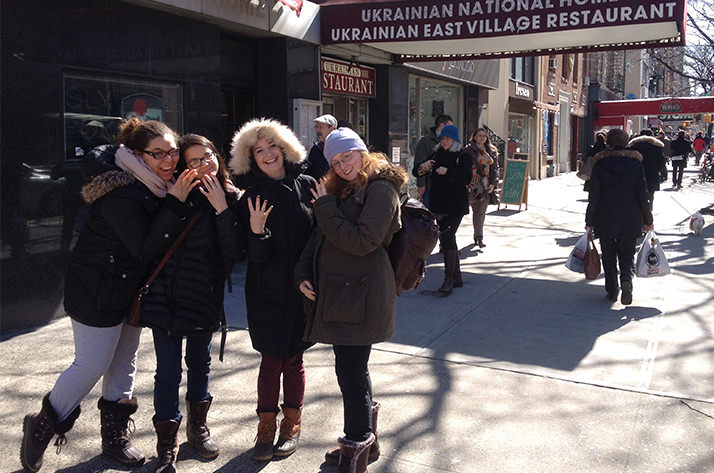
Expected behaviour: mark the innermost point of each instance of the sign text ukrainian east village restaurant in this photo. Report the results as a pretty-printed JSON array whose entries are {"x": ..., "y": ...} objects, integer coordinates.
[
  {"x": 345, "y": 78},
  {"x": 452, "y": 19}
]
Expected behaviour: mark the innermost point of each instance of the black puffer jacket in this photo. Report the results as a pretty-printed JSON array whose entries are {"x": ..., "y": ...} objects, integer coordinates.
[
  {"x": 619, "y": 203},
  {"x": 187, "y": 296},
  {"x": 276, "y": 319},
  {"x": 448, "y": 192},
  {"x": 652, "y": 151},
  {"x": 127, "y": 229}
]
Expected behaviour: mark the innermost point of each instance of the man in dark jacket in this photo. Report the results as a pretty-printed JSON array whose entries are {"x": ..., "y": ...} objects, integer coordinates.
[
  {"x": 618, "y": 209},
  {"x": 424, "y": 149},
  {"x": 652, "y": 151},
  {"x": 317, "y": 165},
  {"x": 681, "y": 148}
]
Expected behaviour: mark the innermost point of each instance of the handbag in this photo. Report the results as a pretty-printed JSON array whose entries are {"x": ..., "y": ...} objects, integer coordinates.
[
  {"x": 592, "y": 259},
  {"x": 135, "y": 309}
]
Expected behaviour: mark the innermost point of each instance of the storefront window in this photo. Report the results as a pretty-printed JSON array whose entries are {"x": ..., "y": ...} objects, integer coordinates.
[
  {"x": 519, "y": 134},
  {"x": 428, "y": 99}
]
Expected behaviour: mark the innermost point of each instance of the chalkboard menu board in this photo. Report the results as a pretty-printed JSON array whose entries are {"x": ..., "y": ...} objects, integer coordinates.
[{"x": 514, "y": 188}]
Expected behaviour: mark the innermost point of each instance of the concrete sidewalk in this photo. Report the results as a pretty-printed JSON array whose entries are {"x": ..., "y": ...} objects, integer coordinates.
[{"x": 527, "y": 368}]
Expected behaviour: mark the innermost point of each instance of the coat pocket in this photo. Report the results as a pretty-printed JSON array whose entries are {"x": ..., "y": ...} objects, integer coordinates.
[{"x": 345, "y": 299}]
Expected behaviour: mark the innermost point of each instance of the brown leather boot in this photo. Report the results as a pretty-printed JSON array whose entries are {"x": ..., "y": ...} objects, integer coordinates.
[
  {"x": 289, "y": 432},
  {"x": 354, "y": 455},
  {"x": 450, "y": 259},
  {"x": 456, "y": 271},
  {"x": 332, "y": 457},
  {"x": 197, "y": 433},
  {"x": 267, "y": 426},
  {"x": 115, "y": 417},
  {"x": 38, "y": 430},
  {"x": 166, "y": 445}
]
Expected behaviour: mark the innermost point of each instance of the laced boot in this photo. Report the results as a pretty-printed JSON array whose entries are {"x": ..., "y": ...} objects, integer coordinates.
[
  {"x": 354, "y": 455},
  {"x": 166, "y": 445},
  {"x": 197, "y": 433},
  {"x": 38, "y": 430},
  {"x": 290, "y": 428},
  {"x": 267, "y": 426},
  {"x": 115, "y": 418},
  {"x": 332, "y": 457}
]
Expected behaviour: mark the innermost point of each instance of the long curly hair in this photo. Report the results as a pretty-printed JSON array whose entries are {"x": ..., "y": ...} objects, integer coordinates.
[{"x": 373, "y": 164}]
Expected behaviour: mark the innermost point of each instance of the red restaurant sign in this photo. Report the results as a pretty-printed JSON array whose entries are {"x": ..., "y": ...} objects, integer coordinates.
[
  {"x": 342, "y": 77},
  {"x": 425, "y": 29}
]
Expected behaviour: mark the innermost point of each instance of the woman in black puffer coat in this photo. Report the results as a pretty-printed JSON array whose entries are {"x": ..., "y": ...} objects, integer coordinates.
[
  {"x": 136, "y": 211},
  {"x": 276, "y": 218},
  {"x": 186, "y": 301}
]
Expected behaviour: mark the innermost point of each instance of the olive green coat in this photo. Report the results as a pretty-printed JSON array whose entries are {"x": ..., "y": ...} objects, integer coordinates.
[{"x": 346, "y": 261}]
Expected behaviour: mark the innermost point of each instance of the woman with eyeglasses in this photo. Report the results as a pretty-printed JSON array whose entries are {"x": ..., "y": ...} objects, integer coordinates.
[
  {"x": 186, "y": 302},
  {"x": 137, "y": 210},
  {"x": 276, "y": 220},
  {"x": 346, "y": 275}
]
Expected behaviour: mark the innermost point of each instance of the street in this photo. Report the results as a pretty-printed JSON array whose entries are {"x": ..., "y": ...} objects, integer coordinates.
[{"x": 527, "y": 368}]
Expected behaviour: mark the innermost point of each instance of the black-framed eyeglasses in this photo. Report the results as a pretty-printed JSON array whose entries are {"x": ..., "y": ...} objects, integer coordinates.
[
  {"x": 196, "y": 163},
  {"x": 159, "y": 155}
]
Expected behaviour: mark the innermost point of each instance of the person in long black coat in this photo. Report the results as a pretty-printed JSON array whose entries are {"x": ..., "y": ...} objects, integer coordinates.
[
  {"x": 618, "y": 211},
  {"x": 652, "y": 151},
  {"x": 276, "y": 216},
  {"x": 681, "y": 148},
  {"x": 186, "y": 301}
]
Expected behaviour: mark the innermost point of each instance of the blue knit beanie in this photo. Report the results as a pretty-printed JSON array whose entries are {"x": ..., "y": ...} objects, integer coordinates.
[
  {"x": 450, "y": 131},
  {"x": 342, "y": 140}
]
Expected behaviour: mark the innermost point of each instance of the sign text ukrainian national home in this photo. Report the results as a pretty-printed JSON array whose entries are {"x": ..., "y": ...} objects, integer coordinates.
[
  {"x": 342, "y": 77},
  {"x": 416, "y": 28}
]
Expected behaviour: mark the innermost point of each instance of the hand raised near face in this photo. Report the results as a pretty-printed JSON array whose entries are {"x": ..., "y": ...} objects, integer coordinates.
[
  {"x": 319, "y": 190},
  {"x": 184, "y": 184},
  {"x": 258, "y": 215},
  {"x": 213, "y": 191}
]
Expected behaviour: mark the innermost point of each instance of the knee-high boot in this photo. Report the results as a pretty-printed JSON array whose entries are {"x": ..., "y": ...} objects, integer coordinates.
[{"x": 451, "y": 264}]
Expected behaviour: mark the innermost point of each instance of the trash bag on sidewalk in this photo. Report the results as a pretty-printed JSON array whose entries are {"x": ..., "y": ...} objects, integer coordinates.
[
  {"x": 651, "y": 260},
  {"x": 576, "y": 260}
]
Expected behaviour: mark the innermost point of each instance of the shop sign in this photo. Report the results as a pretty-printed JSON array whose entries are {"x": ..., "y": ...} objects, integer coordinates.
[
  {"x": 671, "y": 106},
  {"x": 521, "y": 91},
  {"x": 343, "y": 77}
]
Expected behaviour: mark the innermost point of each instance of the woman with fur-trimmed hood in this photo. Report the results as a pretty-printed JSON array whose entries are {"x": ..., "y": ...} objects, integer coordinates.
[
  {"x": 276, "y": 215},
  {"x": 618, "y": 211},
  {"x": 348, "y": 282}
]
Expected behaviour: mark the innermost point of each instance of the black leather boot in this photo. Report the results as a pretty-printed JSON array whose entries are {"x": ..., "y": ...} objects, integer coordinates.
[
  {"x": 115, "y": 417},
  {"x": 38, "y": 430}
]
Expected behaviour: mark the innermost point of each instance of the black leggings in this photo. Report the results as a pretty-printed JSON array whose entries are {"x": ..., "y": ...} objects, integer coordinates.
[
  {"x": 448, "y": 225},
  {"x": 356, "y": 386}
]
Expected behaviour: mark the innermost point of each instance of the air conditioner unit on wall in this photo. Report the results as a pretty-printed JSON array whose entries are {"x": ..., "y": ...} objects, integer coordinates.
[{"x": 552, "y": 63}]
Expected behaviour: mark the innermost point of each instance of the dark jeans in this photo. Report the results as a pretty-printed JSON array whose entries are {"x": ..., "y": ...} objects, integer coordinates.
[
  {"x": 616, "y": 250},
  {"x": 356, "y": 386},
  {"x": 168, "y": 372},
  {"x": 293, "y": 371},
  {"x": 677, "y": 171},
  {"x": 448, "y": 225}
]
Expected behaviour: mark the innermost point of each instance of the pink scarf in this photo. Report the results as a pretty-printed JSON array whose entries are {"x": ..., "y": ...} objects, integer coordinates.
[{"x": 136, "y": 166}]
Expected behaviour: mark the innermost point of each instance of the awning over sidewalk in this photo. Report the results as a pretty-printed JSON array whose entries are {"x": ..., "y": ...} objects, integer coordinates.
[
  {"x": 424, "y": 30},
  {"x": 613, "y": 112}
]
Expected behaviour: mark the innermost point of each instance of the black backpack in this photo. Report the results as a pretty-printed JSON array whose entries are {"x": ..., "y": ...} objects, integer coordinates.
[{"x": 412, "y": 245}]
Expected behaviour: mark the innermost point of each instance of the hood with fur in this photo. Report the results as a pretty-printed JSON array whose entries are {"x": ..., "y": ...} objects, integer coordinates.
[
  {"x": 392, "y": 173},
  {"x": 271, "y": 130},
  {"x": 644, "y": 139},
  {"x": 104, "y": 183},
  {"x": 624, "y": 153}
]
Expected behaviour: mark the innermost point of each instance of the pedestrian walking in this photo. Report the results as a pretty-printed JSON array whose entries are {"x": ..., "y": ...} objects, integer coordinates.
[
  {"x": 424, "y": 149},
  {"x": 317, "y": 165},
  {"x": 449, "y": 201},
  {"x": 483, "y": 187},
  {"x": 185, "y": 301},
  {"x": 133, "y": 219},
  {"x": 699, "y": 145},
  {"x": 652, "y": 151},
  {"x": 667, "y": 150},
  {"x": 276, "y": 220},
  {"x": 681, "y": 148},
  {"x": 595, "y": 148},
  {"x": 348, "y": 282},
  {"x": 618, "y": 211}
]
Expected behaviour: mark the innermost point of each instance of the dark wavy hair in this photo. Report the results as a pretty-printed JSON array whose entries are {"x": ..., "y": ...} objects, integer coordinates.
[
  {"x": 135, "y": 134},
  {"x": 192, "y": 139}
]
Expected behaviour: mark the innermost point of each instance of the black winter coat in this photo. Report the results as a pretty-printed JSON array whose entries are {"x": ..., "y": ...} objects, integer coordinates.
[
  {"x": 681, "y": 147},
  {"x": 652, "y": 151},
  {"x": 317, "y": 165},
  {"x": 448, "y": 193},
  {"x": 276, "y": 319},
  {"x": 187, "y": 296},
  {"x": 619, "y": 203},
  {"x": 128, "y": 227}
]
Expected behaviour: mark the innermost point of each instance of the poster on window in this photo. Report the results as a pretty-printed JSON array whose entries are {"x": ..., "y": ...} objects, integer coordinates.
[{"x": 143, "y": 107}]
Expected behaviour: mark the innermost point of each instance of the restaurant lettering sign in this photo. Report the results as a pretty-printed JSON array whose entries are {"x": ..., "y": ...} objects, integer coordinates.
[{"x": 343, "y": 77}]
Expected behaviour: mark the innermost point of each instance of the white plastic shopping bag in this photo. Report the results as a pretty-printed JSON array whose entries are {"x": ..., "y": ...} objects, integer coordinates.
[
  {"x": 576, "y": 260},
  {"x": 651, "y": 260}
]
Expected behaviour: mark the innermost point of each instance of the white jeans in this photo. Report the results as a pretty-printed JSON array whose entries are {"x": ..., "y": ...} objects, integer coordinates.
[{"x": 98, "y": 351}]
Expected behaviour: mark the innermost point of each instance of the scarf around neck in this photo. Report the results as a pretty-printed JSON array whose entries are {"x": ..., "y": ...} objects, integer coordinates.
[{"x": 136, "y": 166}]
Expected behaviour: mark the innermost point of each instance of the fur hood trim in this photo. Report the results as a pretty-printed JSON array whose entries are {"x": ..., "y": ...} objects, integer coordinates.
[
  {"x": 624, "y": 153},
  {"x": 645, "y": 139},
  {"x": 392, "y": 173},
  {"x": 105, "y": 183},
  {"x": 271, "y": 130}
]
